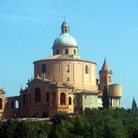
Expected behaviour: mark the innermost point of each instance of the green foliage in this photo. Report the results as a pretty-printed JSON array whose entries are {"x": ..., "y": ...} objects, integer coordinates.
[
  {"x": 8, "y": 129},
  {"x": 59, "y": 116},
  {"x": 93, "y": 123},
  {"x": 92, "y": 130},
  {"x": 120, "y": 113},
  {"x": 64, "y": 130},
  {"x": 113, "y": 127},
  {"x": 83, "y": 127},
  {"x": 40, "y": 129},
  {"x": 107, "y": 111},
  {"x": 134, "y": 126},
  {"x": 23, "y": 130}
]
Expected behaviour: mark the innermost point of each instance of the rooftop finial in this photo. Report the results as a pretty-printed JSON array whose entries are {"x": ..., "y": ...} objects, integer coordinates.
[
  {"x": 64, "y": 18},
  {"x": 21, "y": 88}
]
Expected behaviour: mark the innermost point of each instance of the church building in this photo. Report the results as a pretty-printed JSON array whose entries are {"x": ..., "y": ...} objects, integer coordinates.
[{"x": 62, "y": 82}]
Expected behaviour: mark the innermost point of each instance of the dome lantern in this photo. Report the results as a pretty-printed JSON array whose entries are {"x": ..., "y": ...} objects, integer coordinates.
[{"x": 64, "y": 27}]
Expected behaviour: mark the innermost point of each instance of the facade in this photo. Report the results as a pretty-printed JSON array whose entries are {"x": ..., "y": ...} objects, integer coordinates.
[{"x": 62, "y": 82}]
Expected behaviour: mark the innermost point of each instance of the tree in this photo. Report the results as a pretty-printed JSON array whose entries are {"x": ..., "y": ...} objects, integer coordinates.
[
  {"x": 105, "y": 98},
  {"x": 8, "y": 129},
  {"x": 23, "y": 130},
  {"x": 135, "y": 127},
  {"x": 114, "y": 128},
  {"x": 59, "y": 116},
  {"x": 63, "y": 130},
  {"x": 134, "y": 105},
  {"x": 40, "y": 129},
  {"x": 92, "y": 130},
  {"x": 82, "y": 127}
]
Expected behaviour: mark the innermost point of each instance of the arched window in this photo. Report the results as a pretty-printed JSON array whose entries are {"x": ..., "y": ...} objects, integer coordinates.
[
  {"x": 70, "y": 101},
  {"x": 0, "y": 103},
  {"x": 74, "y": 51},
  {"x": 43, "y": 68},
  {"x": 37, "y": 95},
  {"x": 86, "y": 69},
  {"x": 62, "y": 99},
  {"x": 17, "y": 104}
]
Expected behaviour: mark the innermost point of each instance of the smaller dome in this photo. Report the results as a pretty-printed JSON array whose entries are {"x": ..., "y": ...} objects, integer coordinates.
[{"x": 65, "y": 39}]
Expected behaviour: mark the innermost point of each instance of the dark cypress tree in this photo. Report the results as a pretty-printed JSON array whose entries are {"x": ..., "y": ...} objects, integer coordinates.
[
  {"x": 134, "y": 106},
  {"x": 105, "y": 98}
]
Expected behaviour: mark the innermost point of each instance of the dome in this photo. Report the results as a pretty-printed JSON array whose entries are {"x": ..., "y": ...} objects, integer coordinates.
[{"x": 65, "y": 39}]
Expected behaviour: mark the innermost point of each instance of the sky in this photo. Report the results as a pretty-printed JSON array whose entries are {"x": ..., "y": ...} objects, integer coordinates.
[{"x": 102, "y": 28}]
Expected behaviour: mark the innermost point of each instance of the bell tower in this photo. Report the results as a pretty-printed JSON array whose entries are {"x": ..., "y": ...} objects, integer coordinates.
[{"x": 105, "y": 76}]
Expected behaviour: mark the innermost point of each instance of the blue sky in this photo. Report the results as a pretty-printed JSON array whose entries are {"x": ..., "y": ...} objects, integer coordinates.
[{"x": 102, "y": 28}]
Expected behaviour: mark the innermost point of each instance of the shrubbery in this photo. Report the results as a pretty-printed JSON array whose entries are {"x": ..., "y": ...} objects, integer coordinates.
[{"x": 105, "y": 123}]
